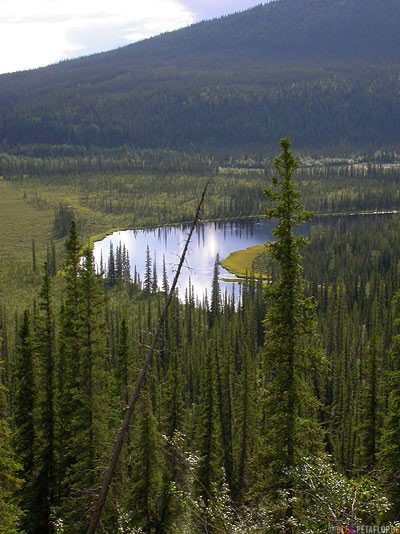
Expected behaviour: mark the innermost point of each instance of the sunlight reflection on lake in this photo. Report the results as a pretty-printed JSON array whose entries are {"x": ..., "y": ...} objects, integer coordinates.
[{"x": 208, "y": 240}]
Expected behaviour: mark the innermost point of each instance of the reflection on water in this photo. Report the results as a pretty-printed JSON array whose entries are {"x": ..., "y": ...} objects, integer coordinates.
[{"x": 208, "y": 240}]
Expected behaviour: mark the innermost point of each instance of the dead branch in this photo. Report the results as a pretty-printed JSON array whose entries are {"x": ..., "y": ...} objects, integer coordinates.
[{"x": 125, "y": 424}]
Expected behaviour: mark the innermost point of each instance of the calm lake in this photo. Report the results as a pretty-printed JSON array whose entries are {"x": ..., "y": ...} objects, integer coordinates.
[{"x": 208, "y": 240}]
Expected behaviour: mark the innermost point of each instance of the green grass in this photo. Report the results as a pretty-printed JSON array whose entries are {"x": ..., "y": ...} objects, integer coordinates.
[
  {"x": 20, "y": 222},
  {"x": 102, "y": 203},
  {"x": 26, "y": 214},
  {"x": 108, "y": 201},
  {"x": 241, "y": 262}
]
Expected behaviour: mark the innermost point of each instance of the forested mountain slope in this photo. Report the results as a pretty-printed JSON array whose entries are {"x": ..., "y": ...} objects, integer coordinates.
[{"x": 325, "y": 71}]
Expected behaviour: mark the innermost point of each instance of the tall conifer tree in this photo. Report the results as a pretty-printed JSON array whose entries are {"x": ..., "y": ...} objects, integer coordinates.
[
  {"x": 24, "y": 436},
  {"x": 145, "y": 493},
  {"x": 111, "y": 269},
  {"x": 215, "y": 308},
  {"x": 123, "y": 369},
  {"x": 44, "y": 479},
  {"x": 207, "y": 427},
  {"x": 223, "y": 374},
  {"x": 390, "y": 442},
  {"x": 69, "y": 361},
  {"x": 10, "y": 483},
  {"x": 89, "y": 419},
  {"x": 291, "y": 430},
  {"x": 147, "y": 284}
]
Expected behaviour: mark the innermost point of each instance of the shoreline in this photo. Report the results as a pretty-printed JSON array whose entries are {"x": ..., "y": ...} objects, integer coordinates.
[{"x": 102, "y": 235}]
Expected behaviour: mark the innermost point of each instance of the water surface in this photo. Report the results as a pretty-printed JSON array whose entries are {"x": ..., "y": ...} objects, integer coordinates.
[{"x": 208, "y": 240}]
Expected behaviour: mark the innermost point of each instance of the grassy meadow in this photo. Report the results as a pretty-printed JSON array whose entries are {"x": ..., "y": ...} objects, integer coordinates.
[
  {"x": 103, "y": 201},
  {"x": 243, "y": 262}
]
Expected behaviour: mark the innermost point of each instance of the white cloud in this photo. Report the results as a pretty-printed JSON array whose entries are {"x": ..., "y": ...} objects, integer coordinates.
[{"x": 39, "y": 32}]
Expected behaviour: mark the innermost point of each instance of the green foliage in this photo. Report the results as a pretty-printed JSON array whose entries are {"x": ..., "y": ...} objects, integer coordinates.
[
  {"x": 390, "y": 445},
  {"x": 10, "y": 483},
  {"x": 214, "y": 385},
  {"x": 24, "y": 437},
  {"x": 44, "y": 479},
  {"x": 69, "y": 375},
  {"x": 86, "y": 407},
  {"x": 63, "y": 218},
  {"x": 325, "y": 498},
  {"x": 289, "y": 353},
  {"x": 215, "y": 305},
  {"x": 145, "y": 497},
  {"x": 147, "y": 273},
  {"x": 291, "y": 356},
  {"x": 199, "y": 514},
  {"x": 207, "y": 441}
]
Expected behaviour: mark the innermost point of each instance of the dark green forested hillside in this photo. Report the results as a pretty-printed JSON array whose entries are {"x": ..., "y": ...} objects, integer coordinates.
[{"x": 325, "y": 71}]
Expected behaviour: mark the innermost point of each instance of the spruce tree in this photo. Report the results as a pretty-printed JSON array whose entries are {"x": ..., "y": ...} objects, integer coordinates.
[
  {"x": 111, "y": 268},
  {"x": 154, "y": 280},
  {"x": 147, "y": 284},
  {"x": 118, "y": 263},
  {"x": 215, "y": 308},
  {"x": 145, "y": 493},
  {"x": 290, "y": 428},
  {"x": 91, "y": 353},
  {"x": 172, "y": 397},
  {"x": 122, "y": 364},
  {"x": 24, "y": 435},
  {"x": 70, "y": 340},
  {"x": 44, "y": 478},
  {"x": 369, "y": 405},
  {"x": 390, "y": 443},
  {"x": 245, "y": 418},
  {"x": 123, "y": 369},
  {"x": 9, "y": 468},
  {"x": 165, "y": 285},
  {"x": 90, "y": 417},
  {"x": 126, "y": 266},
  {"x": 206, "y": 439},
  {"x": 223, "y": 374}
]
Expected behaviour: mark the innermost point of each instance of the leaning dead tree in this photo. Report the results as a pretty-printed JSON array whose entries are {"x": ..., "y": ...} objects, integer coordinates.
[{"x": 125, "y": 424}]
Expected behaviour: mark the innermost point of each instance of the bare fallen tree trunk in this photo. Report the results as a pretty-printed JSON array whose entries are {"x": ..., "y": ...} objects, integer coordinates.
[{"x": 125, "y": 424}]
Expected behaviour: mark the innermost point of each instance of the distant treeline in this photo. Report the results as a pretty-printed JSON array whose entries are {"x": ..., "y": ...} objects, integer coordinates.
[
  {"x": 41, "y": 160},
  {"x": 144, "y": 198}
]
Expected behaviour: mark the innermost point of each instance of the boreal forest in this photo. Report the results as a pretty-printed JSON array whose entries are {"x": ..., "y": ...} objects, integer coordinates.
[{"x": 132, "y": 404}]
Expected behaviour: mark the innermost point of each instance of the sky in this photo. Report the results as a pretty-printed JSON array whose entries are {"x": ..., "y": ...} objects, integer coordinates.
[{"x": 35, "y": 33}]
